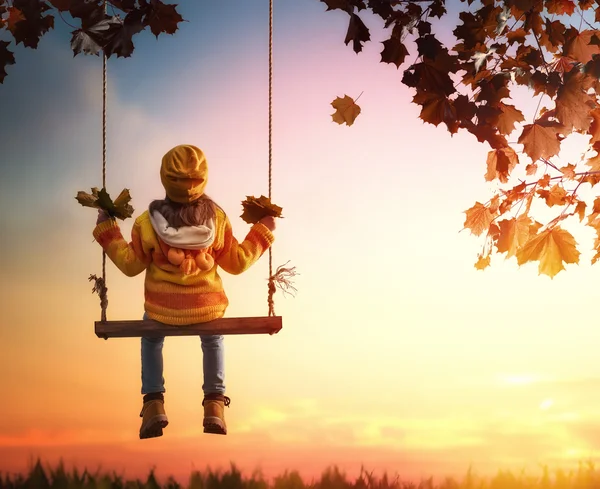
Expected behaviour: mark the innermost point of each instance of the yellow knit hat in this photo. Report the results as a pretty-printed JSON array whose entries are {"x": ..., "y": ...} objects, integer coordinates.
[{"x": 184, "y": 173}]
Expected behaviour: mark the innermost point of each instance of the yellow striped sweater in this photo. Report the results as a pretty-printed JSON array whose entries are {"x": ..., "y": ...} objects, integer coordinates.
[{"x": 170, "y": 296}]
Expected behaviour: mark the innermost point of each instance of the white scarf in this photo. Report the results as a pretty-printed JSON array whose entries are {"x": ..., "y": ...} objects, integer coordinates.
[{"x": 186, "y": 237}]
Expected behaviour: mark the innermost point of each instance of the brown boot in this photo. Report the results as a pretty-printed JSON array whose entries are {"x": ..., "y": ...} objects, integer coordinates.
[
  {"x": 214, "y": 413},
  {"x": 154, "y": 418}
]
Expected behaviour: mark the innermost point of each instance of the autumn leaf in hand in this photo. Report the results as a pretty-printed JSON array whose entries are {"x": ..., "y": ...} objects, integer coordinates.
[
  {"x": 346, "y": 110},
  {"x": 551, "y": 248},
  {"x": 100, "y": 199},
  {"x": 255, "y": 209}
]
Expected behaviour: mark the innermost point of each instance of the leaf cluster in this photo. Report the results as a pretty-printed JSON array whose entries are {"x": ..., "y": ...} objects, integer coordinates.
[
  {"x": 100, "y": 199},
  {"x": 95, "y": 28},
  {"x": 550, "y": 48}
]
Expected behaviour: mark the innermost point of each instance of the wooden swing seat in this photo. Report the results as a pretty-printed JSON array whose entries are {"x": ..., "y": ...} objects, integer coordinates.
[{"x": 149, "y": 328}]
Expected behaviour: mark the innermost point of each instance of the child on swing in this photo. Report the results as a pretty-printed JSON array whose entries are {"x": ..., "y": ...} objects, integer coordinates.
[{"x": 180, "y": 241}]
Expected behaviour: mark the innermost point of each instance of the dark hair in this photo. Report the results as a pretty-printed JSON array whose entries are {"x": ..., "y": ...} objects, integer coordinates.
[{"x": 178, "y": 215}]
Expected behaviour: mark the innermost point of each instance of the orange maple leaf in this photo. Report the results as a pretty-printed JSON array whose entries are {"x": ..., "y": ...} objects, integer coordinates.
[
  {"x": 514, "y": 233},
  {"x": 509, "y": 117},
  {"x": 569, "y": 171},
  {"x": 346, "y": 110},
  {"x": 483, "y": 262},
  {"x": 531, "y": 169},
  {"x": 478, "y": 219},
  {"x": 500, "y": 162},
  {"x": 544, "y": 181},
  {"x": 551, "y": 248},
  {"x": 539, "y": 141},
  {"x": 555, "y": 196}
]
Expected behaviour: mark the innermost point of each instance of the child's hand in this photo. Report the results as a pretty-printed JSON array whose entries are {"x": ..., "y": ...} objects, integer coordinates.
[
  {"x": 102, "y": 216},
  {"x": 269, "y": 222}
]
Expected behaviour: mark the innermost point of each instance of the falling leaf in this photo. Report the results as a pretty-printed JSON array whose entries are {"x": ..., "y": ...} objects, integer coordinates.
[
  {"x": 551, "y": 248},
  {"x": 478, "y": 219},
  {"x": 346, "y": 110},
  {"x": 257, "y": 208}
]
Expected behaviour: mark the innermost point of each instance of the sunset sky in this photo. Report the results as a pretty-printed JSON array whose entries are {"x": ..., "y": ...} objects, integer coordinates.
[{"x": 396, "y": 353}]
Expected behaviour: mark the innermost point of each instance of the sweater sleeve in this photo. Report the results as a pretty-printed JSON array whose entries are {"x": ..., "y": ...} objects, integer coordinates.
[
  {"x": 235, "y": 257},
  {"x": 132, "y": 258}
]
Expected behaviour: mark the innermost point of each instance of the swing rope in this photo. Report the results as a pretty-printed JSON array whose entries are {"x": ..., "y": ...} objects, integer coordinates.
[
  {"x": 272, "y": 279},
  {"x": 100, "y": 284}
]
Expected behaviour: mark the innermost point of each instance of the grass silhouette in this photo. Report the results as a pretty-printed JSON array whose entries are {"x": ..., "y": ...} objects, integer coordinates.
[{"x": 38, "y": 477}]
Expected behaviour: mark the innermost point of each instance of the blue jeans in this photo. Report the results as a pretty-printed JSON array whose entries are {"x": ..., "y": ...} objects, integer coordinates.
[{"x": 213, "y": 362}]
